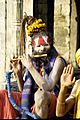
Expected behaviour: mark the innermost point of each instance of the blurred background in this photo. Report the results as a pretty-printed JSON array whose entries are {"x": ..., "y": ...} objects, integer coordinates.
[{"x": 62, "y": 20}]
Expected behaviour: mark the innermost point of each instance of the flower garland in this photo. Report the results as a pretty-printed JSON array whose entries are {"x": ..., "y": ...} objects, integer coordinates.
[{"x": 36, "y": 26}]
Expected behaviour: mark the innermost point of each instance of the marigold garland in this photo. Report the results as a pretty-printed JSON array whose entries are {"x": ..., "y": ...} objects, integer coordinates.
[{"x": 36, "y": 26}]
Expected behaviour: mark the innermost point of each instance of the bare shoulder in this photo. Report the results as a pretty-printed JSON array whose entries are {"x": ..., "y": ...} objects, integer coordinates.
[
  {"x": 60, "y": 59},
  {"x": 59, "y": 65},
  {"x": 77, "y": 83}
]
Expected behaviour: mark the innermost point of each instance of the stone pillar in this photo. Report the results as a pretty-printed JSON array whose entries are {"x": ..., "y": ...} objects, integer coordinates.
[
  {"x": 11, "y": 31},
  {"x": 73, "y": 33},
  {"x": 28, "y": 8},
  {"x": 2, "y": 43},
  {"x": 62, "y": 27}
]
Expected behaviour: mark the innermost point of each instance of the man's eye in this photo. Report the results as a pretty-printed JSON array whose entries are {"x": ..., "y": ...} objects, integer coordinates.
[
  {"x": 38, "y": 45},
  {"x": 46, "y": 45}
]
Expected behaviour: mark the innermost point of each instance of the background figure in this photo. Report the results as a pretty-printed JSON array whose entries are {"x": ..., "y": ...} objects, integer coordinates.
[
  {"x": 42, "y": 74},
  {"x": 64, "y": 105},
  {"x": 77, "y": 57}
]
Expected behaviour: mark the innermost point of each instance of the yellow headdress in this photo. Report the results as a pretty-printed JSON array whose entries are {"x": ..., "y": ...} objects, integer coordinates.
[
  {"x": 77, "y": 57},
  {"x": 34, "y": 25}
]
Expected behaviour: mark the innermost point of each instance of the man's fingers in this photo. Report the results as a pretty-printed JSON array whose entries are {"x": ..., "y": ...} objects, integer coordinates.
[
  {"x": 64, "y": 70},
  {"x": 73, "y": 81},
  {"x": 72, "y": 70},
  {"x": 68, "y": 67}
]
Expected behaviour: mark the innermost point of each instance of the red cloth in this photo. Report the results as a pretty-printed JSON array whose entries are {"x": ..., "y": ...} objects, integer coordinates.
[
  {"x": 6, "y": 109},
  {"x": 52, "y": 107}
]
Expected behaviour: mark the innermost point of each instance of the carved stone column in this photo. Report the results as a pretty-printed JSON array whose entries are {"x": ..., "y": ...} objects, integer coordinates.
[{"x": 2, "y": 43}]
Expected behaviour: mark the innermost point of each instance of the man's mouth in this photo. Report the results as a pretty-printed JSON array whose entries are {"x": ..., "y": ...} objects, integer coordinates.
[{"x": 39, "y": 53}]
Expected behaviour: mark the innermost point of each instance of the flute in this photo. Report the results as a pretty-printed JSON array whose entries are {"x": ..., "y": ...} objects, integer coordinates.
[{"x": 33, "y": 56}]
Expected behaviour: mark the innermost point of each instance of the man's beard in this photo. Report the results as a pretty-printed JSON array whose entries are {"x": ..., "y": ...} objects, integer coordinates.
[{"x": 44, "y": 59}]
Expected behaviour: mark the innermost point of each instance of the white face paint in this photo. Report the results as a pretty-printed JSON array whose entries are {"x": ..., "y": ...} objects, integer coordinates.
[{"x": 40, "y": 44}]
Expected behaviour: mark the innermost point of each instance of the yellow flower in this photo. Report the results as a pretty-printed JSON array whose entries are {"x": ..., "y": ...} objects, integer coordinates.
[
  {"x": 39, "y": 20},
  {"x": 37, "y": 26},
  {"x": 28, "y": 33},
  {"x": 43, "y": 24},
  {"x": 30, "y": 29},
  {"x": 36, "y": 21}
]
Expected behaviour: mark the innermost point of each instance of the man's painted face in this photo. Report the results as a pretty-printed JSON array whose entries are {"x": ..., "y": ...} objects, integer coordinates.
[{"x": 40, "y": 44}]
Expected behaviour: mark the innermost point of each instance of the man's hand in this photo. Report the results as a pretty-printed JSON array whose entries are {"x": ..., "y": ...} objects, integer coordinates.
[
  {"x": 67, "y": 76},
  {"x": 26, "y": 61},
  {"x": 16, "y": 65}
]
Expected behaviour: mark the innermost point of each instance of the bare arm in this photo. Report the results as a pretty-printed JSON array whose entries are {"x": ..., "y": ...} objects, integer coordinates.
[
  {"x": 56, "y": 72},
  {"x": 17, "y": 68},
  {"x": 20, "y": 81},
  {"x": 63, "y": 104},
  {"x": 53, "y": 77}
]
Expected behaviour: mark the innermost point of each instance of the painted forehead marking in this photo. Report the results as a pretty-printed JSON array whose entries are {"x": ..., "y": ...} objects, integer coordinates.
[{"x": 40, "y": 40}]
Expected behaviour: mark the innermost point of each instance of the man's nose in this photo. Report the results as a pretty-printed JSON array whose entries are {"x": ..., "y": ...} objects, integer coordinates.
[{"x": 42, "y": 47}]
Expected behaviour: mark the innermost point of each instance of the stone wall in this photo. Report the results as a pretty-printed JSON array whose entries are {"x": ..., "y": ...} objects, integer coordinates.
[
  {"x": 11, "y": 14},
  {"x": 62, "y": 27},
  {"x": 65, "y": 29}
]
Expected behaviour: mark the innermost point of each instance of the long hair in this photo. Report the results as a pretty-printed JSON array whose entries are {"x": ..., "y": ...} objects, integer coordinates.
[
  {"x": 26, "y": 20},
  {"x": 34, "y": 26}
]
